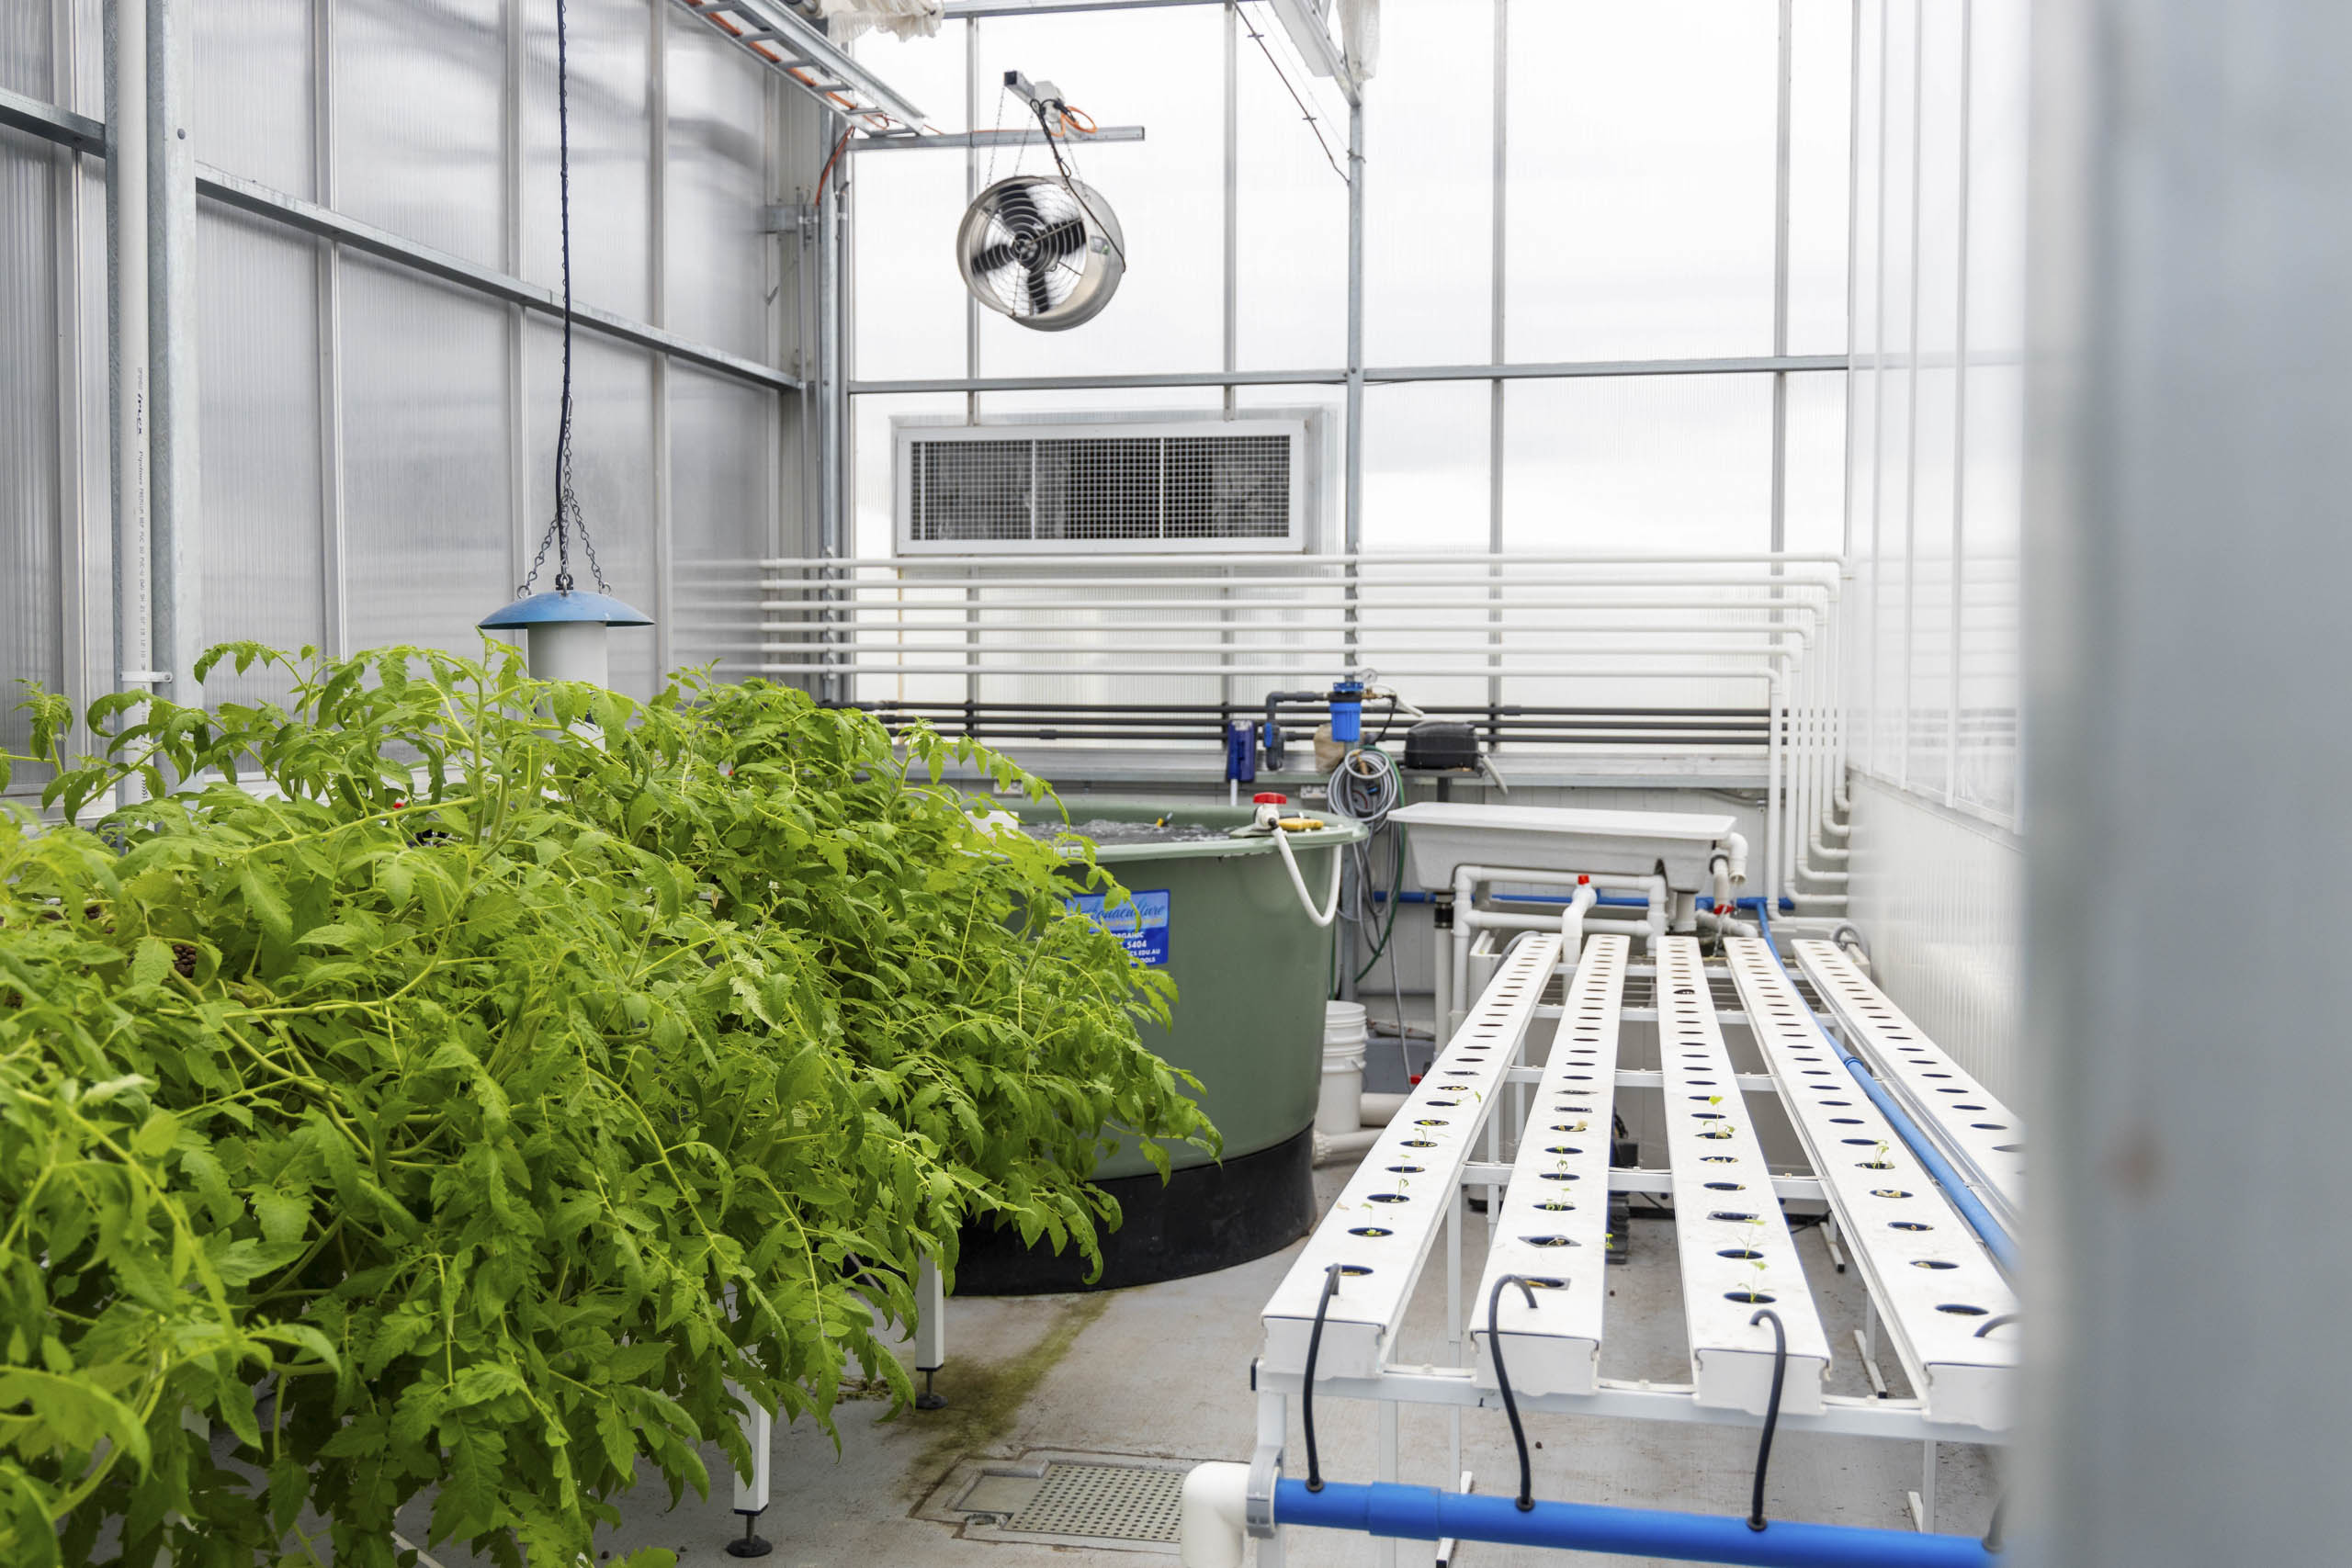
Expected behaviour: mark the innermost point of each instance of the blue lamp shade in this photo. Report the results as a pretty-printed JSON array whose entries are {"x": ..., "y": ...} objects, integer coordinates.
[{"x": 550, "y": 609}]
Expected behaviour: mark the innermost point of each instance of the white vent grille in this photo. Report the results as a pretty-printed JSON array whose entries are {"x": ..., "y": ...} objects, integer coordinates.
[{"x": 1228, "y": 485}]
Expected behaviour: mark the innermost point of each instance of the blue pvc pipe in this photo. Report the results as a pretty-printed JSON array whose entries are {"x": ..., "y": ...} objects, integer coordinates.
[
  {"x": 1980, "y": 1219},
  {"x": 1424, "y": 1513}
]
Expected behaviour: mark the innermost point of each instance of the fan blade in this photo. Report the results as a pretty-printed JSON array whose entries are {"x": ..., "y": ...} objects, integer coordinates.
[
  {"x": 1066, "y": 238},
  {"x": 1041, "y": 297},
  {"x": 992, "y": 258},
  {"x": 1017, "y": 210}
]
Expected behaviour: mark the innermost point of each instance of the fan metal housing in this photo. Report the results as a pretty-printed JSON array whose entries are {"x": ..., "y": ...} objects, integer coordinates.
[{"x": 1045, "y": 251}]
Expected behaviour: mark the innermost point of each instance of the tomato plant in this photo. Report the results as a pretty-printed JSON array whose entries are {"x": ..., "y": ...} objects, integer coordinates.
[{"x": 443, "y": 1082}]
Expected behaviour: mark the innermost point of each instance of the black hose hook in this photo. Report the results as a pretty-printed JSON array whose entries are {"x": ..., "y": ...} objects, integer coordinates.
[{"x": 1771, "y": 1411}]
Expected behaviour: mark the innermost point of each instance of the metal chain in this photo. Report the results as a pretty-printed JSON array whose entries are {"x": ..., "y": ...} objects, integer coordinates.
[{"x": 568, "y": 514}]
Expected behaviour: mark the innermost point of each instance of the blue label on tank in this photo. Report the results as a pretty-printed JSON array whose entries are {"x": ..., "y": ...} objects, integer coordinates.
[{"x": 1141, "y": 924}]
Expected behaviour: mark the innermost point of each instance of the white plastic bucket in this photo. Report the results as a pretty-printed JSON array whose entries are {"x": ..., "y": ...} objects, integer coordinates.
[{"x": 1339, "y": 1109}]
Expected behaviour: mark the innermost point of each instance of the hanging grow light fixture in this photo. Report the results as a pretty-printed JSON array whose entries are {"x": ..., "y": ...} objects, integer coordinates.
[{"x": 564, "y": 628}]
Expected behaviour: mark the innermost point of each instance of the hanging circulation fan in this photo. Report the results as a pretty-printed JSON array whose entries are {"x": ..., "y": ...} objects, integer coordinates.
[{"x": 1043, "y": 249}]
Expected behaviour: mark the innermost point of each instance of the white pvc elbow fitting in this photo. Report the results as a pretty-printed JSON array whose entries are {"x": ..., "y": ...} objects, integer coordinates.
[{"x": 1211, "y": 1518}]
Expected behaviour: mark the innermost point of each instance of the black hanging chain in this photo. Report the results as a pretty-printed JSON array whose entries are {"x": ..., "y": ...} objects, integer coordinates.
[{"x": 567, "y": 515}]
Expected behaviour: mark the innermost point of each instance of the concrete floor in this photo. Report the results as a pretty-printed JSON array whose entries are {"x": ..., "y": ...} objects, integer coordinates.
[{"x": 1162, "y": 1371}]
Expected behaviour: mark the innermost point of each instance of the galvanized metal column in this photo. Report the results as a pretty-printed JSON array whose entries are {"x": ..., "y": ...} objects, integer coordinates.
[
  {"x": 657, "y": 264},
  {"x": 334, "y": 590},
  {"x": 832, "y": 381},
  {"x": 178, "y": 497},
  {"x": 77, "y": 510},
  {"x": 2187, "y": 558},
  {"x": 1498, "y": 277},
  {"x": 127, "y": 327},
  {"x": 1354, "y": 541}
]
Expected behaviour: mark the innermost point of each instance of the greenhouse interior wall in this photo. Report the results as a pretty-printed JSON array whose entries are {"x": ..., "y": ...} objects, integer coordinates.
[
  {"x": 371, "y": 433},
  {"x": 1790, "y": 322},
  {"x": 1675, "y": 393}
]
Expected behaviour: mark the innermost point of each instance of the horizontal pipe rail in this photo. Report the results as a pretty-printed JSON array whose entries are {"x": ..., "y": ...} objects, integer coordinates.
[{"x": 1424, "y": 1513}]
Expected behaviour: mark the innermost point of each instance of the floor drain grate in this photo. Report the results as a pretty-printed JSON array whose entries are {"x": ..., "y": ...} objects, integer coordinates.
[{"x": 1109, "y": 1502}]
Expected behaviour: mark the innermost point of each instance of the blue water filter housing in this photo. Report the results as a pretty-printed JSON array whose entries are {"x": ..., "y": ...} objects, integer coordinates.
[
  {"x": 1240, "y": 751},
  {"x": 1347, "y": 711}
]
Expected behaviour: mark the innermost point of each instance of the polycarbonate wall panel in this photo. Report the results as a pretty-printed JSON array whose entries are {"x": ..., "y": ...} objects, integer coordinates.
[
  {"x": 254, "y": 91},
  {"x": 1641, "y": 172},
  {"x": 910, "y": 297},
  {"x": 1935, "y": 461},
  {"x": 722, "y": 514},
  {"x": 419, "y": 131},
  {"x": 1938, "y": 894},
  {"x": 612, "y": 474},
  {"x": 1157, "y": 68},
  {"x": 611, "y": 42},
  {"x": 1813, "y": 517},
  {"x": 1429, "y": 196},
  {"x": 1936, "y": 455},
  {"x": 26, "y": 59},
  {"x": 715, "y": 257},
  {"x": 1821, "y": 66},
  {"x": 263, "y": 539},
  {"x": 1677, "y": 464},
  {"x": 1291, "y": 287},
  {"x": 422, "y": 514},
  {"x": 32, "y": 636},
  {"x": 430, "y": 536},
  {"x": 1986, "y": 761}
]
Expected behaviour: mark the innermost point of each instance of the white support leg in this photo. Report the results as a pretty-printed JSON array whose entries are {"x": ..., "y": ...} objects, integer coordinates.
[
  {"x": 930, "y": 1333},
  {"x": 751, "y": 1492}
]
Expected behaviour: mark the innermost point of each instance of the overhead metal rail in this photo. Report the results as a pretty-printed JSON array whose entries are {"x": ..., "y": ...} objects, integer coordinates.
[
  {"x": 1389, "y": 375},
  {"x": 81, "y": 133},
  {"x": 776, "y": 35},
  {"x": 1030, "y": 137}
]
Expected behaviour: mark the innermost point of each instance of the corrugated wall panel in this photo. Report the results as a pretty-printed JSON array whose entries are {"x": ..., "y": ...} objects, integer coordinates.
[
  {"x": 723, "y": 508},
  {"x": 257, "y": 336},
  {"x": 612, "y": 140},
  {"x": 1936, "y": 893},
  {"x": 420, "y": 135},
  {"x": 253, "y": 100},
  {"x": 718, "y": 259},
  {"x": 611, "y": 471},
  {"x": 30, "y": 637},
  {"x": 429, "y": 540}
]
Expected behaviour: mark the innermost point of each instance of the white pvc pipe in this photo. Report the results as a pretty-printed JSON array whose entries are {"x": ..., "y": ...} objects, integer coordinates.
[
  {"x": 1469, "y": 917},
  {"x": 1298, "y": 883},
  {"x": 1332, "y": 1147},
  {"x": 1572, "y": 920},
  {"x": 1379, "y": 1109},
  {"x": 1210, "y": 1519},
  {"x": 127, "y": 172}
]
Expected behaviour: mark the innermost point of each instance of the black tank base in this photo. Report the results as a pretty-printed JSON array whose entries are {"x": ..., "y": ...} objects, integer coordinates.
[{"x": 1207, "y": 1217}]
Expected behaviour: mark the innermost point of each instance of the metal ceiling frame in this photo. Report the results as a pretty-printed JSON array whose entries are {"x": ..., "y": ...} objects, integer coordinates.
[{"x": 796, "y": 49}]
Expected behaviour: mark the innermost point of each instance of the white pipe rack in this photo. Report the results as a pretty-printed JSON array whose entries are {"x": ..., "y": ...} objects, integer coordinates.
[
  {"x": 1964, "y": 1383},
  {"x": 1554, "y": 1226},
  {"x": 1380, "y": 1230},
  {"x": 1577, "y": 627}
]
